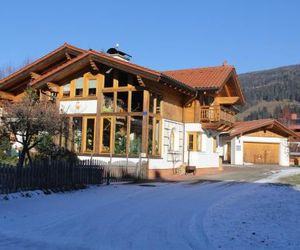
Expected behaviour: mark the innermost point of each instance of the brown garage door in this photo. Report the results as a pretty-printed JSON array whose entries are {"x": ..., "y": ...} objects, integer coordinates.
[{"x": 261, "y": 153}]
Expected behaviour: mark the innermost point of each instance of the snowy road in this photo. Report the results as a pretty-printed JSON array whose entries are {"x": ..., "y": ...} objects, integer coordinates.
[{"x": 220, "y": 215}]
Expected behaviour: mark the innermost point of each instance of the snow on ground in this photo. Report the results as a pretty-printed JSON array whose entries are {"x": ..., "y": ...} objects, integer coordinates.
[
  {"x": 210, "y": 215},
  {"x": 277, "y": 174},
  {"x": 265, "y": 216}
]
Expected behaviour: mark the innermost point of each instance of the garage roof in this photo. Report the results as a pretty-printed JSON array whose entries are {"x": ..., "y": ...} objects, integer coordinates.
[{"x": 246, "y": 127}]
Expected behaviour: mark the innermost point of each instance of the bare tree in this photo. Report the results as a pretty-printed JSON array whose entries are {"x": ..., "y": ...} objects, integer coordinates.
[
  {"x": 9, "y": 69},
  {"x": 28, "y": 120}
]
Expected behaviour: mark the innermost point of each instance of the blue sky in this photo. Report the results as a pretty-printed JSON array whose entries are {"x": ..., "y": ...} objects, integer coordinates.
[{"x": 252, "y": 35}]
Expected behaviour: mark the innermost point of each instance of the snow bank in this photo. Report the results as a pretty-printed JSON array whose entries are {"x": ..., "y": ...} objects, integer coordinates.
[{"x": 274, "y": 178}]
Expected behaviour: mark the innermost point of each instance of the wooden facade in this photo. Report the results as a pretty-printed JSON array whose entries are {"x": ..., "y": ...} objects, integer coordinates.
[{"x": 117, "y": 108}]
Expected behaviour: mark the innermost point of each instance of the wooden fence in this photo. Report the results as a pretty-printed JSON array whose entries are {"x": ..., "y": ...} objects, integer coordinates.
[{"x": 60, "y": 175}]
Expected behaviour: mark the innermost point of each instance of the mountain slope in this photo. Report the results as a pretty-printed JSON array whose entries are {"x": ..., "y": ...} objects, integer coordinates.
[{"x": 269, "y": 91}]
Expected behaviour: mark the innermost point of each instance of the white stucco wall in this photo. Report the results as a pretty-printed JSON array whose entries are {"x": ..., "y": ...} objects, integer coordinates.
[
  {"x": 170, "y": 159},
  {"x": 237, "y": 148},
  {"x": 79, "y": 107},
  {"x": 205, "y": 158}
]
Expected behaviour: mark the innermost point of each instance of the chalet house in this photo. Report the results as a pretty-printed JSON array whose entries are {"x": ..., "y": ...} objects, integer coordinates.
[{"x": 117, "y": 108}]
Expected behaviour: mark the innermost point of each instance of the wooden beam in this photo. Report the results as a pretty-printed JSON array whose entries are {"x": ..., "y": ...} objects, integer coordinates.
[
  {"x": 34, "y": 75},
  {"x": 140, "y": 81},
  {"x": 94, "y": 66},
  {"x": 145, "y": 128},
  {"x": 68, "y": 56},
  {"x": 6, "y": 96},
  {"x": 225, "y": 100},
  {"x": 53, "y": 87}
]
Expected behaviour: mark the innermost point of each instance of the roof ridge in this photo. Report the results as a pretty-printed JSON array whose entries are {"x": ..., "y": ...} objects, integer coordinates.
[
  {"x": 125, "y": 62},
  {"x": 199, "y": 68}
]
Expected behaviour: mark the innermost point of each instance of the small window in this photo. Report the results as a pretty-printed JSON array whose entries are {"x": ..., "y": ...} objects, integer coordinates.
[
  {"x": 150, "y": 136},
  {"x": 92, "y": 87},
  {"x": 137, "y": 101},
  {"x": 90, "y": 131},
  {"x": 66, "y": 90},
  {"x": 194, "y": 141},
  {"x": 172, "y": 140},
  {"x": 157, "y": 137},
  {"x": 77, "y": 133},
  {"x": 136, "y": 135},
  {"x": 106, "y": 135},
  {"x": 122, "y": 102},
  {"x": 121, "y": 135},
  {"x": 191, "y": 142},
  {"x": 123, "y": 79},
  {"x": 108, "y": 102},
  {"x": 109, "y": 79},
  {"x": 151, "y": 104},
  {"x": 79, "y": 86},
  {"x": 158, "y": 104}
]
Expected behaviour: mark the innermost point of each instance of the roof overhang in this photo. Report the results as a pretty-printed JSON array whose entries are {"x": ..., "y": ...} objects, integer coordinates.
[
  {"x": 242, "y": 128},
  {"x": 25, "y": 74},
  {"x": 237, "y": 85},
  {"x": 86, "y": 58}
]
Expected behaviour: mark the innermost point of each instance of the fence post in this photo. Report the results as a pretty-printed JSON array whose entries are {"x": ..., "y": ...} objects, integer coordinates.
[{"x": 108, "y": 171}]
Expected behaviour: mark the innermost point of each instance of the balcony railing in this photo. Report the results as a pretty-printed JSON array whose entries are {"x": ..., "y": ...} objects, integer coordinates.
[{"x": 211, "y": 114}]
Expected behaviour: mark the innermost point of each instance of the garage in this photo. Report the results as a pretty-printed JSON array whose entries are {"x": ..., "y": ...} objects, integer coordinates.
[
  {"x": 260, "y": 142},
  {"x": 261, "y": 153}
]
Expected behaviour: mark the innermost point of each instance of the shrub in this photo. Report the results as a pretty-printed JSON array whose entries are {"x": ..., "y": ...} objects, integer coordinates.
[{"x": 48, "y": 150}]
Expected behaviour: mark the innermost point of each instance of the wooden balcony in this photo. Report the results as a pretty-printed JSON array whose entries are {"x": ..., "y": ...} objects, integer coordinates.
[{"x": 216, "y": 114}]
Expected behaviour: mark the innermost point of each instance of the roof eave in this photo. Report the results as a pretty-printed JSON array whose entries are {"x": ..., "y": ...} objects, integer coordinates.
[
  {"x": 28, "y": 68},
  {"x": 176, "y": 83}
]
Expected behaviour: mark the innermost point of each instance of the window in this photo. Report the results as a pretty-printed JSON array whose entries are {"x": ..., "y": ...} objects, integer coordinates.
[
  {"x": 79, "y": 86},
  {"x": 158, "y": 104},
  {"x": 90, "y": 132},
  {"x": 150, "y": 136},
  {"x": 121, "y": 135},
  {"x": 157, "y": 137},
  {"x": 172, "y": 140},
  {"x": 194, "y": 141},
  {"x": 191, "y": 142},
  {"x": 66, "y": 90},
  {"x": 123, "y": 79},
  {"x": 77, "y": 134},
  {"x": 109, "y": 79},
  {"x": 122, "y": 102},
  {"x": 137, "y": 101},
  {"x": 64, "y": 136},
  {"x": 151, "y": 104},
  {"x": 108, "y": 102},
  {"x": 92, "y": 87},
  {"x": 136, "y": 135},
  {"x": 106, "y": 135}
]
